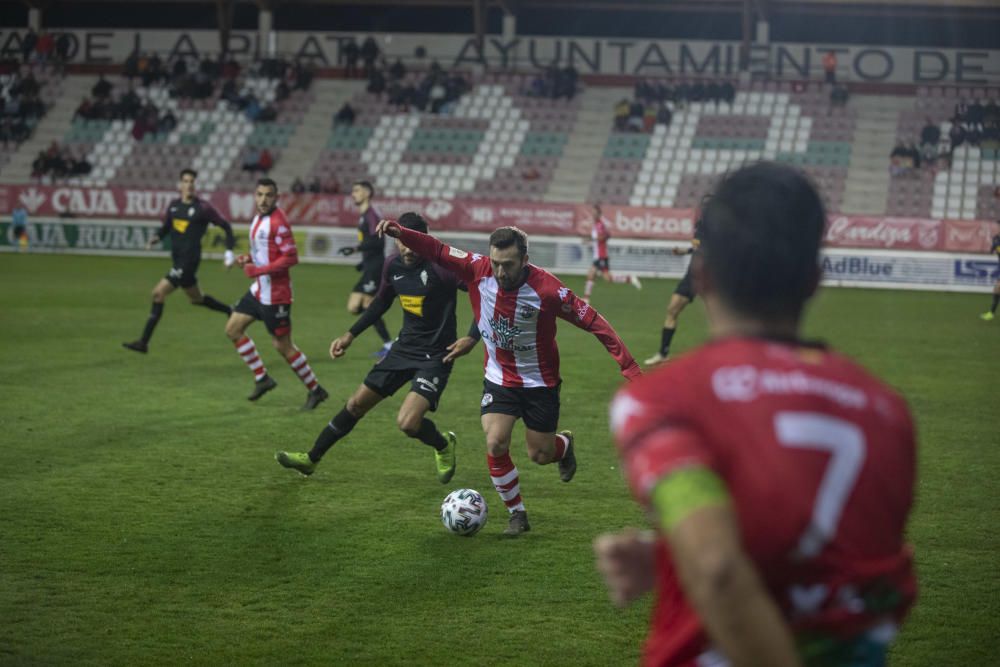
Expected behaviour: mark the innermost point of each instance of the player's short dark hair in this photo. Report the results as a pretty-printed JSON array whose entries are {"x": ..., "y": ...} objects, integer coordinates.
[
  {"x": 761, "y": 233},
  {"x": 367, "y": 186},
  {"x": 185, "y": 172},
  {"x": 505, "y": 237},
  {"x": 267, "y": 183},
  {"x": 413, "y": 221}
]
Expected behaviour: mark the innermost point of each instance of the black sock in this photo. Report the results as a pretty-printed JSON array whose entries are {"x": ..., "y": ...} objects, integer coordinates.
[
  {"x": 665, "y": 337},
  {"x": 996, "y": 300},
  {"x": 429, "y": 435},
  {"x": 212, "y": 304},
  {"x": 338, "y": 427},
  {"x": 155, "y": 313},
  {"x": 382, "y": 331}
]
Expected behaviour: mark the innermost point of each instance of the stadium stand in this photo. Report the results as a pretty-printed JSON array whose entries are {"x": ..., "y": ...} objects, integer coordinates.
[{"x": 20, "y": 111}]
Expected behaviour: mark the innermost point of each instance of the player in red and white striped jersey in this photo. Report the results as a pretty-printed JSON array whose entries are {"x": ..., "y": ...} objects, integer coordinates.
[
  {"x": 272, "y": 254},
  {"x": 516, "y": 305},
  {"x": 599, "y": 235}
]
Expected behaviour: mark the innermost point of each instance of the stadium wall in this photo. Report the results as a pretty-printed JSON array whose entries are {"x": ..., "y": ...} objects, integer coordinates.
[
  {"x": 590, "y": 55},
  {"x": 843, "y": 267}
]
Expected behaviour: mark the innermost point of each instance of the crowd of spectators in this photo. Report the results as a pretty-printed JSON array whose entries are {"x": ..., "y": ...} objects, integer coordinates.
[
  {"x": 974, "y": 124},
  {"x": 436, "y": 91},
  {"x": 45, "y": 48},
  {"x": 655, "y": 101},
  {"x": 58, "y": 162},
  {"x": 20, "y": 104},
  {"x": 554, "y": 83},
  {"x": 258, "y": 160}
]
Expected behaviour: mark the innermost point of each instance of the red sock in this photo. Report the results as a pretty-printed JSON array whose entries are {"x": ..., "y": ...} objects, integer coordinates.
[
  {"x": 248, "y": 352},
  {"x": 300, "y": 365},
  {"x": 562, "y": 444},
  {"x": 503, "y": 472}
]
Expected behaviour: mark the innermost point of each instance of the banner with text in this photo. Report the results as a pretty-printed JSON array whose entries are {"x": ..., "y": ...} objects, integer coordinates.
[{"x": 666, "y": 224}]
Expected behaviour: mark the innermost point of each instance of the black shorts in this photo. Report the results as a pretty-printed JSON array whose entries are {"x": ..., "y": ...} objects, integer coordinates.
[
  {"x": 601, "y": 264},
  {"x": 685, "y": 287},
  {"x": 427, "y": 377},
  {"x": 277, "y": 318},
  {"x": 371, "y": 276},
  {"x": 537, "y": 406},
  {"x": 184, "y": 273}
]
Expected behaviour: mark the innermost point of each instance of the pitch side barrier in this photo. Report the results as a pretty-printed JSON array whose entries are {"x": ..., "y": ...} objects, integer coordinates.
[{"x": 843, "y": 267}]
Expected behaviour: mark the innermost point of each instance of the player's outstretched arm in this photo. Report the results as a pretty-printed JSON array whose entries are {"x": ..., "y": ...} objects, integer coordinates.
[
  {"x": 463, "y": 345},
  {"x": 454, "y": 259},
  {"x": 575, "y": 311}
]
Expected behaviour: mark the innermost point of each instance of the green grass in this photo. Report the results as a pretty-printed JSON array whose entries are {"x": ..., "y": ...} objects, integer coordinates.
[{"x": 144, "y": 520}]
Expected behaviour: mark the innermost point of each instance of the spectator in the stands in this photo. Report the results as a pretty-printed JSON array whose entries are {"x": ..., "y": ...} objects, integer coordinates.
[
  {"x": 931, "y": 134},
  {"x": 314, "y": 187},
  {"x": 369, "y": 54},
  {"x": 830, "y": 67},
  {"x": 649, "y": 119},
  {"x": 398, "y": 70},
  {"x": 281, "y": 92},
  {"x": 436, "y": 95},
  {"x": 838, "y": 95},
  {"x": 101, "y": 89},
  {"x": 131, "y": 66},
  {"x": 266, "y": 161},
  {"x": 713, "y": 93},
  {"x": 622, "y": 110},
  {"x": 961, "y": 110},
  {"x": 85, "y": 111},
  {"x": 298, "y": 187},
  {"x": 331, "y": 186},
  {"x": 129, "y": 104},
  {"x": 63, "y": 44},
  {"x": 168, "y": 122},
  {"x": 900, "y": 161},
  {"x": 991, "y": 112},
  {"x": 536, "y": 88},
  {"x": 635, "y": 114},
  {"x": 956, "y": 135},
  {"x": 728, "y": 93},
  {"x": 567, "y": 82},
  {"x": 28, "y": 44},
  {"x": 45, "y": 47},
  {"x": 664, "y": 115},
  {"x": 376, "y": 82},
  {"x": 345, "y": 116},
  {"x": 180, "y": 68},
  {"x": 252, "y": 108},
  {"x": 351, "y": 53}
]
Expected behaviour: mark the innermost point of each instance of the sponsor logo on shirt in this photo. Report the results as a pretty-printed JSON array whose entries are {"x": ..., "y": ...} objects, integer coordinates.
[
  {"x": 412, "y": 304},
  {"x": 180, "y": 225},
  {"x": 746, "y": 383},
  {"x": 504, "y": 333}
]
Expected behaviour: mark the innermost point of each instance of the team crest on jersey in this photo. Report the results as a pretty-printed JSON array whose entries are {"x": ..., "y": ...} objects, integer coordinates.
[
  {"x": 423, "y": 277},
  {"x": 190, "y": 211},
  {"x": 504, "y": 332},
  {"x": 487, "y": 400},
  {"x": 527, "y": 312}
]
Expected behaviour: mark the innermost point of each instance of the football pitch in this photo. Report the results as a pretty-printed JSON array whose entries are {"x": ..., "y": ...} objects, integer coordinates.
[{"x": 143, "y": 519}]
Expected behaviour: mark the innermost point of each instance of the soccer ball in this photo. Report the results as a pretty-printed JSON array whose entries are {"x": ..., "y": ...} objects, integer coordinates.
[{"x": 463, "y": 512}]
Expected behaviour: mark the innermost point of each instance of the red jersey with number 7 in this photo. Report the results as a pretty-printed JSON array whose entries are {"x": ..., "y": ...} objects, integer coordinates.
[{"x": 818, "y": 458}]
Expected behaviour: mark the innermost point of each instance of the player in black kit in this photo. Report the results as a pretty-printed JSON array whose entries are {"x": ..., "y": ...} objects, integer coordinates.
[
  {"x": 995, "y": 251},
  {"x": 683, "y": 295},
  {"x": 372, "y": 249},
  {"x": 422, "y": 356},
  {"x": 185, "y": 221}
]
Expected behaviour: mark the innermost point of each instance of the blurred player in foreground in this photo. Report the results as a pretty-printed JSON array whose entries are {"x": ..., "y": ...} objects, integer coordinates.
[{"x": 779, "y": 473}]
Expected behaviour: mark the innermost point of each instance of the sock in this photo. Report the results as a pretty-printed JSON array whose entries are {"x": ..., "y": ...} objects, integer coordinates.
[
  {"x": 562, "y": 446},
  {"x": 588, "y": 287},
  {"x": 503, "y": 472},
  {"x": 155, "y": 313},
  {"x": 338, "y": 427},
  {"x": 665, "y": 337},
  {"x": 248, "y": 352},
  {"x": 300, "y": 365},
  {"x": 213, "y": 304},
  {"x": 382, "y": 331},
  {"x": 996, "y": 300},
  {"x": 429, "y": 435},
  {"x": 620, "y": 278}
]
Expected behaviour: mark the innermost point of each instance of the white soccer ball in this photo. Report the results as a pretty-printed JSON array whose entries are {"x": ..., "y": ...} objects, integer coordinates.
[{"x": 463, "y": 512}]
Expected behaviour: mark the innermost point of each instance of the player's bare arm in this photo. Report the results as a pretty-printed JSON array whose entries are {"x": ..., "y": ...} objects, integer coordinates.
[
  {"x": 459, "y": 348},
  {"x": 721, "y": 583},
  {"x": 626, "y": 560}
]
